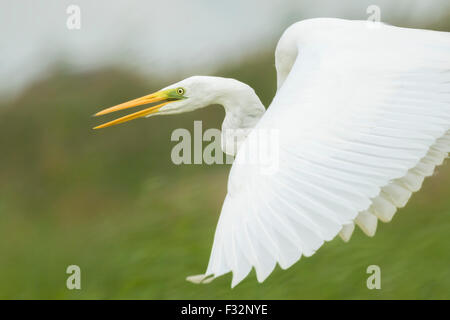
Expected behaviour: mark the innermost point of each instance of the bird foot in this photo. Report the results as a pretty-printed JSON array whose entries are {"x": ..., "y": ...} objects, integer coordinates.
[{"x": 200, "y": 278}]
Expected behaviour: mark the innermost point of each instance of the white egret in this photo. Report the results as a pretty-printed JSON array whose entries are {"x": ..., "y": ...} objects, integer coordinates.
[{"x": 363, "y": 115}]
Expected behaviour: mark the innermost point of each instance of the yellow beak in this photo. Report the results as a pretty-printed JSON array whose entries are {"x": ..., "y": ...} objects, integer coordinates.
[{"x": 154, "y": 97}]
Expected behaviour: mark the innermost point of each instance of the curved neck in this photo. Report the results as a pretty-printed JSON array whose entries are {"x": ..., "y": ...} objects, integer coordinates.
[{"x": 243, "y": 110}]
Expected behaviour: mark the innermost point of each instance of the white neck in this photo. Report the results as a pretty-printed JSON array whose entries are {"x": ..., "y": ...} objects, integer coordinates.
[{"x": 243, "y": 109}]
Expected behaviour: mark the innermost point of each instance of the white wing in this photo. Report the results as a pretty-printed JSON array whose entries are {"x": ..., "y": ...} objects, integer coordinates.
[{"x": 363, "y": 117}]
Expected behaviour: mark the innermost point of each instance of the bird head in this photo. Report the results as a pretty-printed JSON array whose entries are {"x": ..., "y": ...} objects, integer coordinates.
[{"x": 184, "y": 96}]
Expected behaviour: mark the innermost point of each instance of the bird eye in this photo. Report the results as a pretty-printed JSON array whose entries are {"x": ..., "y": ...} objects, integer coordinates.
[{"x": 180, "y": 91}]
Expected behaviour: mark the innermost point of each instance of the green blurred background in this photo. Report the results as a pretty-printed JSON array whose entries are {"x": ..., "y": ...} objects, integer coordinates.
[{"x": 112, "y": 202}]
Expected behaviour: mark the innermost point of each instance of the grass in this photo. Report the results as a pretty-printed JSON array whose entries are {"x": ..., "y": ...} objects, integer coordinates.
[{"x": 145, "y": 249}]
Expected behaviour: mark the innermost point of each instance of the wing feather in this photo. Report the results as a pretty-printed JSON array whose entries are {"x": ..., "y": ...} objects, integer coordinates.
[{"x": 362, "y": 118}]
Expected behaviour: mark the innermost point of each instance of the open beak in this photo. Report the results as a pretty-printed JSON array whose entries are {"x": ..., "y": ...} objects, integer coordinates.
[{"x": 154, "y": 97}]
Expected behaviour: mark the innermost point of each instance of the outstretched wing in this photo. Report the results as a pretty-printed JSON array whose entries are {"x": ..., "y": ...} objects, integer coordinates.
[{"x": 362, "y": 118}]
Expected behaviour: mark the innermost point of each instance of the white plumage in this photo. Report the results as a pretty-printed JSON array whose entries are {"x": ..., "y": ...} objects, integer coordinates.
[
  {"x": 362, "y": 116},
  {"x": 363, "y": 113}
]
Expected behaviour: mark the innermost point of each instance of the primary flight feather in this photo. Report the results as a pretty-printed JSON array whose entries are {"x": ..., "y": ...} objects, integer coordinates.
[{"x": 361, "y": 116}]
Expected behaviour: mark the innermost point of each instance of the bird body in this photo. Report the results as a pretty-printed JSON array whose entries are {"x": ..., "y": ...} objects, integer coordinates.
[{"x": 362, "y": 113}]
